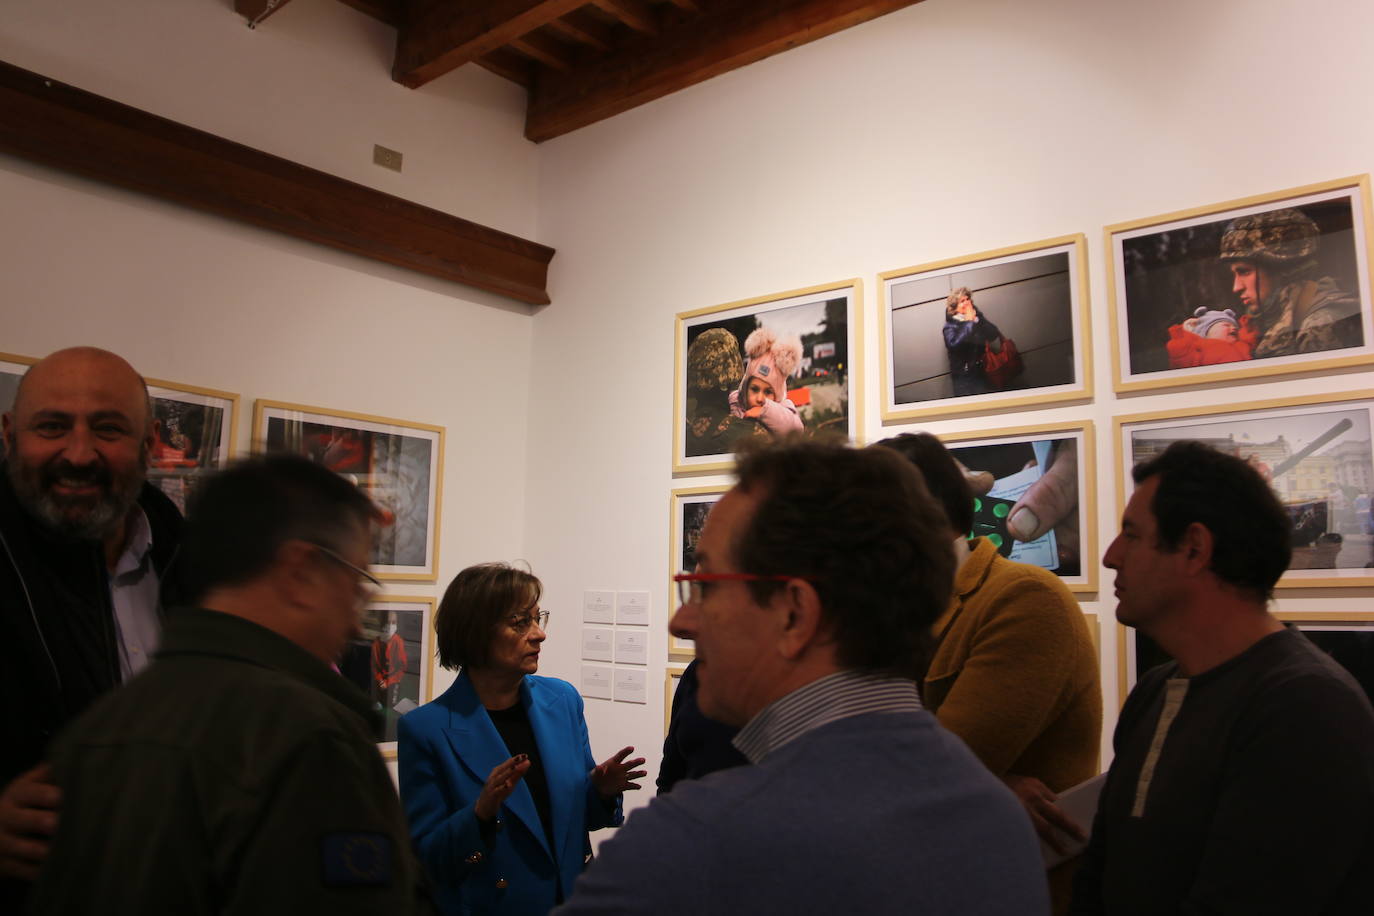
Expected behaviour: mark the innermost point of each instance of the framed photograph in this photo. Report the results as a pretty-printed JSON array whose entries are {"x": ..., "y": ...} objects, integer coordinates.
[
  {"x": 1347, "y": 636},
  {"x": 1036, "y": 496},
  {"x": 1315, "y": 451},
  {"x": 1006, "y": 328},
  {"x": 196, "y": 436},
  {"x": 1262, "y": 286},
  {"x": 765, "y": 367},
  {"x": 398, "y": 463},
  {"x": 393, "y": 662},
  {"x": 687, "y": 509},
  {"x": 671, "y": 676},
  {"x": 12, "y": 369}
]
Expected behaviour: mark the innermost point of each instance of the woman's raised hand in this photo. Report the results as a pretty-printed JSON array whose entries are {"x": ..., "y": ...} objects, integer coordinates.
[
  {"x": 614, "y": 775},
  {"x": 499, "y": 785}
]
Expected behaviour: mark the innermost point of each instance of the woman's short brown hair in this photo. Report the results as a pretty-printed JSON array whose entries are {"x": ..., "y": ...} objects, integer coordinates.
[{"x": 474, "y": 604}]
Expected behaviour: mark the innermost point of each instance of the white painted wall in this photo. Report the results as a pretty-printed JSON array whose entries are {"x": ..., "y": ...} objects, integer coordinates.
[
  {"x": 952, "y": 127},
  {"x": 205, "y": 301}
]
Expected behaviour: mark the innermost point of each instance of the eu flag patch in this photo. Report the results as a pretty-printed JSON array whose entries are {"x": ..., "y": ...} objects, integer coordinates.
[{"x": 356, "y": 859}]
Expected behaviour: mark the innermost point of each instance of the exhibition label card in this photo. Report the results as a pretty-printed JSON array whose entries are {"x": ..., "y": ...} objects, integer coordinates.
[
  {"x": 596, "y": 682},
  {"x": 632, "y": 647},
  {"x": 598, "y": 607},
  {"x": 632, "y": 608},
  {"x": 596, "y": 643},
  {"x": 630, "y": 685}
]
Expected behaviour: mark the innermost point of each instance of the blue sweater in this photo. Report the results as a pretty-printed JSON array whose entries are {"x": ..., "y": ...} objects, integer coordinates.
[{"x": 877, "y": 813}]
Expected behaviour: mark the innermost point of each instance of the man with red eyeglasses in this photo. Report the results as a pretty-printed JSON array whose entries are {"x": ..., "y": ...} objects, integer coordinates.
[{"x": 818, "y": 577}]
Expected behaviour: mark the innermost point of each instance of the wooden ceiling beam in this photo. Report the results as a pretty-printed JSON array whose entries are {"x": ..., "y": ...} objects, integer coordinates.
[
  {"x": 637, "y": 14},
  {"x": 687, "y": 5},
  {"x": 388, "y": 11},
  {"x": 441, "y": 35},
  {"x": 66, "y": 128},
  {"x": 724, "y": 37},
  {"x": 507, "y": 64},
  {"x": 579, "y": 26},
  {"x": 548, "y": 51}
]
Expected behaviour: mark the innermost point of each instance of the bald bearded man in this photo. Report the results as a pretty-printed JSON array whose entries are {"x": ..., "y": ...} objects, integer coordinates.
[{"x": 86, "y": 566}]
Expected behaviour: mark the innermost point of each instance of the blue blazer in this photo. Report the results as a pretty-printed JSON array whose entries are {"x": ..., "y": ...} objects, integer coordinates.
[{"x": 447, "y": 748}]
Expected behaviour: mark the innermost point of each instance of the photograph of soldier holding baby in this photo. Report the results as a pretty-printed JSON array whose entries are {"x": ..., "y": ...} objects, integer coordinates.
[{"x": 1272, "y": 285}]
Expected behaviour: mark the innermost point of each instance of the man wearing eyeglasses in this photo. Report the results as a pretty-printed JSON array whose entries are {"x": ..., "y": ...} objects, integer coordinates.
[
  {"x": 238, "y": 772},
  {"x": 818, "y": 577}
]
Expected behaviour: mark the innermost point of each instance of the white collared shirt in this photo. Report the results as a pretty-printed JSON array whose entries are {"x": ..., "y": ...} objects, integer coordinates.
[
  {"x": 833, "y": 697},
  {"x": 134, "y": 594}
]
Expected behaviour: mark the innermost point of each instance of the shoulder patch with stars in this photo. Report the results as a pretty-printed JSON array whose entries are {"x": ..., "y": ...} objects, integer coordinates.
[{"x": 356, "y": 860}]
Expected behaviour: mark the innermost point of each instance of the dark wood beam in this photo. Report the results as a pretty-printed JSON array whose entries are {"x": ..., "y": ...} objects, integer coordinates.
[
  {"x": 388, "y": 11},
  {"x": 255, "y": 11},
  {"x": 724, "y": 37},
  {"x": 580, "y": 26},
  {"x": 548, "y": 51},
  {"x": 441, "y": 35},
  {"x": 67, "y": 128},
  {"x": 507, "y": 64},
  {"x": 688, "y": 5},
  {"x": 637, "y": 14}
]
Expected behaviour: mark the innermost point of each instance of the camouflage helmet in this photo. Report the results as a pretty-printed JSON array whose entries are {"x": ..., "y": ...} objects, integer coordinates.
[
  {"x": 1282, "y": 237},
  {"x": 714, "y": 361}
]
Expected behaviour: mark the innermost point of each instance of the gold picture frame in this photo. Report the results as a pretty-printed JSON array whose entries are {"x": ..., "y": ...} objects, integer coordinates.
[
  {"x": 1015, "y": 456},
  {"x": 829, "y": 374},
  {"x": 687, "y": 509},
  {"x": 197, "y": 435},
  {"x": 1036, "y": 295},
  {"x": 366, "y": 661},
  {"x": 1331, "y": 433},
  {"x": 399, "y": 463},
  {"x": 1162, "y": 270},
  {"x": 671, "y": 676},
  {"x": 12, "y": 369}
]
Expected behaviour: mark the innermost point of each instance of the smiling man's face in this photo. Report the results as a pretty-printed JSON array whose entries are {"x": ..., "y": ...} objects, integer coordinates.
[{"x": 78, "y": 440}]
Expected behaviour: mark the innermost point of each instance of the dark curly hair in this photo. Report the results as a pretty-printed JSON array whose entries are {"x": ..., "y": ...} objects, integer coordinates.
[
  {"x": 1252, "y": 533},
  {"x": 859, "y": 524}
]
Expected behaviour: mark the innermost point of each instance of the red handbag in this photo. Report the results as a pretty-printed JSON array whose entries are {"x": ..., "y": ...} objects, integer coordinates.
[{"x": 1001, "y": 368}]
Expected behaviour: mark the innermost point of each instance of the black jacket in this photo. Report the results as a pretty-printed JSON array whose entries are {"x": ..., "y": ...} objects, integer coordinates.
[
  {"x": 236, "y": 774},
  {"x": 58, "y": 653}
]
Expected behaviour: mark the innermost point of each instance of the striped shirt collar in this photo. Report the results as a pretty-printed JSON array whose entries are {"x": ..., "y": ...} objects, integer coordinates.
[{"x": 835, "y": 696}]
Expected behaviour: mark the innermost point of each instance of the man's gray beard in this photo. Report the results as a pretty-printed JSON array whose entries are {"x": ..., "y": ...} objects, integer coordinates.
[{"x": 101, "y": 520}]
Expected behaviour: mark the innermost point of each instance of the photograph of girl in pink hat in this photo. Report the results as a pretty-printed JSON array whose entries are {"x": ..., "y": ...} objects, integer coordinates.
[
  {"x": 770, "y": 367},
  {"x": 762, "y": 393}
]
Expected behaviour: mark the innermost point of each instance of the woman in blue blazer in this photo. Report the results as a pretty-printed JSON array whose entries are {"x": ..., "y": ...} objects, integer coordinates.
[{"x": 497, "y": 775}]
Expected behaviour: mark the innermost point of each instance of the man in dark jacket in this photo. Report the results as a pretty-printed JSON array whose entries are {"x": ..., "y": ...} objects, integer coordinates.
[
  {"x": 85, "y": 546},
  {"x": 238, "y": 773}
]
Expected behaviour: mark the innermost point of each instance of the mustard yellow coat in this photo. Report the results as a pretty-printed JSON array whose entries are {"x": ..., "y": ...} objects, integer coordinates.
[{"x": 1015, "y": 673}]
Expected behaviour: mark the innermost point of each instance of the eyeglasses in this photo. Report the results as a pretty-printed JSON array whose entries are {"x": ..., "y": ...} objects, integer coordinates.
[
  {"x": 692, "y": 586},
  {"x": 523, "y": 623},
  {"x": 373, "y": 583}
]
